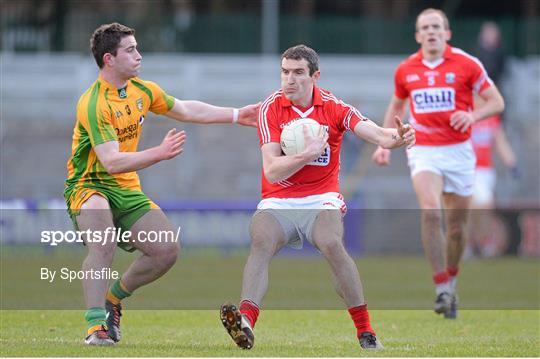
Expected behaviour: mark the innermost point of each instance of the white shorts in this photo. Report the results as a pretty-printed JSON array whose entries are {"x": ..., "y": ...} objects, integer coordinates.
[
  {"x": 454, "y": 163},
  {"x": 297, "y": 215},
  {"x": 484, "y": 186}
]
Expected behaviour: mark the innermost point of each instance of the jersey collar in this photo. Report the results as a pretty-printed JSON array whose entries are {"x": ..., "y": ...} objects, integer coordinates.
[
  {"x": 447, "y": 54},
  {"x": 317, "y": 100},
  {"x": 111, "y": 87}
]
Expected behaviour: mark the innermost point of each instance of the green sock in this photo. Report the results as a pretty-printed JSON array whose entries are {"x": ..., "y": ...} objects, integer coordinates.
[
  {"x": 117, "y": 292},
  {"x": 95, "y": 316}
]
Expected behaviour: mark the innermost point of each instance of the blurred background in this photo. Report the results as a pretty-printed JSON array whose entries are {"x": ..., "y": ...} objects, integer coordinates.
[{"x": 227, "y": 53}]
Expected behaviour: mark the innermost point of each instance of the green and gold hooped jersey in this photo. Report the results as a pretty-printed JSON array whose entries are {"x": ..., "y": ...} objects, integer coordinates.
[{"x": 105, "y": 113}]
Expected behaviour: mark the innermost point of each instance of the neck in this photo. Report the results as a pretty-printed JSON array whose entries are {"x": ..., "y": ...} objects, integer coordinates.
[
  {"x": 305, "y": 102},
  {"x": 113, "y": 78}
]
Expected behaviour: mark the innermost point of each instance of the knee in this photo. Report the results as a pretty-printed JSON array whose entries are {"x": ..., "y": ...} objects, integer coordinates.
[
  {"x": 261, "y": 244},
  {"x": 432, "y": 216},
  {"x": 167, "y": 257},
  {"x": 103, "y": 253},
  {"x": 332, "y": 248}
]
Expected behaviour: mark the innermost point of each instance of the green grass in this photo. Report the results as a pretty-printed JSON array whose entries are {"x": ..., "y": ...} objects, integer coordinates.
[
  {"x": 205, "y": 280},
  {"x": 178, "y": 314},
  {"x": 279, "y": 333}
]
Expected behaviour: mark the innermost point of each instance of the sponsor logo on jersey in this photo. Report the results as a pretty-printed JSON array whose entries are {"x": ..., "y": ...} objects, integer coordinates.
[
  {"x": 141, "y": 120},
  {"x": 412, "y": 78},
  {"x": 427, "y": 100},
  {"x": 129, "y": 132},
  {"x": 139, "y": 104},
  {"x": 450, "y": 78},
  {"x": 323, "y": 159}
]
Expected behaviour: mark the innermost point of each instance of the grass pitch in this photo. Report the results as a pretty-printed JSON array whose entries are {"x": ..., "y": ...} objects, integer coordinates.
[
  {"x": 178, "y": 316},
  {"x": 279, "y": 333}
]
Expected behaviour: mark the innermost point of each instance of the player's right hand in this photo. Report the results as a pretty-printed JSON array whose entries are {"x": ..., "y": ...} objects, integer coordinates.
[
  {"x": 381, "y": 156},
  {"x": 314, "y": 145},
  {"x": 172, "y": 144}
]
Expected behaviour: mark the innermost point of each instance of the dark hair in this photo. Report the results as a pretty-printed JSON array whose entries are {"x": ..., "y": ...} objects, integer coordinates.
[
  {"x": 300, "y": 52},
  {"x": 106, "y": 39}
]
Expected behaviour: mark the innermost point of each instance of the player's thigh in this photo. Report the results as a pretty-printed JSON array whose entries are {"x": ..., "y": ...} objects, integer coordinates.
[
  {"x": 266, "y": 232},
  {"x": 327, "y": 229},
  {"x": 95, "y": 216},
  {"x": 457, "y": 210},
  {"x": 153, "y": 234},
  {"x": 428, "y": 187}
]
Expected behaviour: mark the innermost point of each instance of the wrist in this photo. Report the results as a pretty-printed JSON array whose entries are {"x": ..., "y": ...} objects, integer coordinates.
[
  {"x": 236, "y": 114},
  {"x": 474, "y": 117},
  {"x": 157, "y": 154}
]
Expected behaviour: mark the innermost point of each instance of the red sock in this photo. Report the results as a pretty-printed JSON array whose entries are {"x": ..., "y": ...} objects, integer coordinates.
[
  {"x": 250, "y": 310},
  {"x": 452, "y": 271},
  {"x": 360, "y": 317},
  {"x": 441, "y": 277}
]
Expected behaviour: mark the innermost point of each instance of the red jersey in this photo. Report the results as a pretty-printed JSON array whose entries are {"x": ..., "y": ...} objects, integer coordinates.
[
  {"x": 436, "y": 90},
  {"x": 483, "y": 136},
  {"x": 321, "y": 175}
]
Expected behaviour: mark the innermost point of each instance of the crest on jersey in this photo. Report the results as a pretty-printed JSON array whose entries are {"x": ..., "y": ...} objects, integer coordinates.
[
  {"x": 122, "y": 93},
  {"x": 139, "y": 104},
  {"x": 450, "y": 78}
]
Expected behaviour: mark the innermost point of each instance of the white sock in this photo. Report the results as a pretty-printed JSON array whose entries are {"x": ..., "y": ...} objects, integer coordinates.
[
  {"x": 453, "y": 283},
  {"x": 443, "y": 288}
]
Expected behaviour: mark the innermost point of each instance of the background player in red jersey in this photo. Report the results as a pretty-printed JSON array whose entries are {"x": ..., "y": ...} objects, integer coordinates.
[
  {"x": 487, "y": 135},
  {"x": 439, "y": 81},
  {"x": 301, "y": 199}
]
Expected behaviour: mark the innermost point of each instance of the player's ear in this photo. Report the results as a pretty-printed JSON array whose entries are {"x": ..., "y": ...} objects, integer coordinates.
[
  {"x": 107, "y": 58},
  {"x": 316, "y": 75},
  {"x": 417, "y": 37},
  {"x": 448, "y": 35}
]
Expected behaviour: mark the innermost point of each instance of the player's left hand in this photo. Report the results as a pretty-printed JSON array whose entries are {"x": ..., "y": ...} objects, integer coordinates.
[
  {"x": 247, "y": 115},
  {"x": 461, "y": 120},
  {"x": 406, "y": 132}
]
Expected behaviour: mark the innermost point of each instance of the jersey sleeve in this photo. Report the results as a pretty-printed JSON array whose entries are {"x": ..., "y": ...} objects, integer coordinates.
[
  {"x": 268, "y": 121},
  {"x": 400, "y": 91},
  {"x": 96, "y": 118},
  {"x": 479, "y": 79},
  {"x": 160, "y": 101},
  {"x": 347, "y": 116}
]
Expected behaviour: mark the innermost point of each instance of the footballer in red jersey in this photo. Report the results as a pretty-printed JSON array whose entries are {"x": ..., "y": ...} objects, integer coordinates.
[
  {"x": 301, "y": 199},
  {"x": 439, "y": 82}
]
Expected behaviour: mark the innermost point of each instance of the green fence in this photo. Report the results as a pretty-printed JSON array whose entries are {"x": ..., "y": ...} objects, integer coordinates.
[{"x": 241, "y": 33}]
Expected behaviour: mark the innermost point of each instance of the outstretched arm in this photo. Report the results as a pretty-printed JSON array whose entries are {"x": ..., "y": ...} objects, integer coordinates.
[
  {"x": 396, "y": 107},
  {"x": 203, "y": 113},
  {"x": 386, "y": 138},
  {"x": 116, "y": 161}
]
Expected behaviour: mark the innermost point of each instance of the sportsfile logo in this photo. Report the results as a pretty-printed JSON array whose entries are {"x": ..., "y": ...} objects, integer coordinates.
[{"x": 429, "y": 100}]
